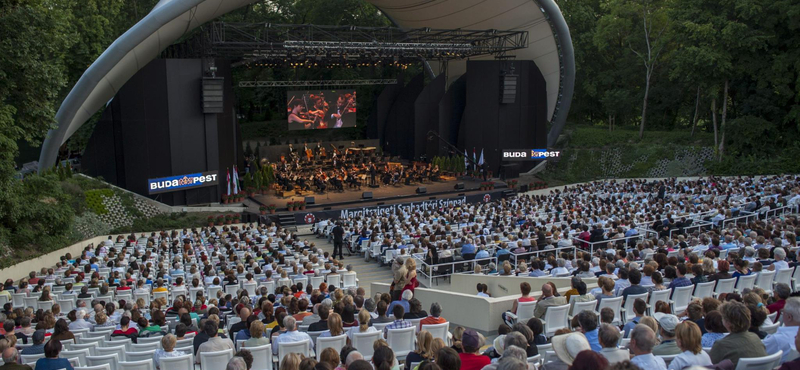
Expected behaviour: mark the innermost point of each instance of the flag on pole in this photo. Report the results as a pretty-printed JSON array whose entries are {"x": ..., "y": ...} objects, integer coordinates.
[
  {"x": 474, "y": 159},
  {"x": 480, "y": 161},
  {"x": 466, "y": 161},
  {"x": 229, "y": 181},
  {"x": 235, "y": 180}
]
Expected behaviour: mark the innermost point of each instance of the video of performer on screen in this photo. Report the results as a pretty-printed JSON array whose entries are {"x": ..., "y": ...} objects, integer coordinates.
[{"x": 321, "y": 109}]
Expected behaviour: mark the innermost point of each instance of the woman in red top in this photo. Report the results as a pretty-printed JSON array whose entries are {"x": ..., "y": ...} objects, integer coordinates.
[
  {"x": 525, "y": 289},
  {"x": 411, "y": 275},
  {"x": 125, "y": 330}
]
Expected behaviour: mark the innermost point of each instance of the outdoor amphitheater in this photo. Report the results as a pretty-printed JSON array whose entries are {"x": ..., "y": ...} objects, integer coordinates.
[{"x": 399, "y": 185}]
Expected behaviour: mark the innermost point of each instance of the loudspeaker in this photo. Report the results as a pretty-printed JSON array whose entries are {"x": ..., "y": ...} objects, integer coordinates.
[
  {"x": 523, "y": 188},
  {"x": 508, "y": 88},
  {"x": 366, "y": 195},
  {"x": 213, "y": 95},
  {"x": 422, "y": 190},
  {"x": 459, "y": 186},
  {"x": 310, "y": 200}
]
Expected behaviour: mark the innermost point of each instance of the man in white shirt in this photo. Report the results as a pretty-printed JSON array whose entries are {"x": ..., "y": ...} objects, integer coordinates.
[
  {"x": 291, "y": 335},
  {"x": 784, "y": 338},
  {"x": 780, "y": 260},
  {"x": 80, "y": 321},
  {"x": 643, "y": 339}
]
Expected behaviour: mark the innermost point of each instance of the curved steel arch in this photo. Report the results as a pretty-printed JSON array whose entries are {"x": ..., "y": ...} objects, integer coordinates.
[{"x": 550, "y": 46}]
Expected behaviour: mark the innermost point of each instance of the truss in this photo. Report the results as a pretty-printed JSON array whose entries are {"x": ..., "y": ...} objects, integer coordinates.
[
  {"x": 288, "y": 42},
  {"x": 315, "y": 83}
]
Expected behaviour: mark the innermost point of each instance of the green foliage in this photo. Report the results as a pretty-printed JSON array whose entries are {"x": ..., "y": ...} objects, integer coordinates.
[
  {"x": 94, "y": 200},
  {"x": 165, "y": 222},
  {"x": 597, "y": 136}
]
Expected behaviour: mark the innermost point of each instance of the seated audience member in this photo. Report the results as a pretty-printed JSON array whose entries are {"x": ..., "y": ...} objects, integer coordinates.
[
  {"x": 214, "y": 343},
  {"x": 322, "y": 324},
  {"x": 383, "y": 358},
  {"x": 335, "y": 327},
  {"x": 784, "y": 338},
  {"x": 435, "y": 317},
  {"x": 398, "y": 323},
  {"x": 471, "y": 359},
  {"x": 579, "y": 296},
  {"x": 715, "y": 330},
  {"x": 525, "y": 290},
  {"x": 125, "y": 330},
  {"x": 588, "y": 324},
  {"x": 10, "y": 359},
  {"x": 781, "y": 294},
  {"x": 423, "y": 351},
  {"x": 794, "y": 364},
  {"x": 567, "y": 347},
  {"x": 740, "y": 343},
  {"x": 363, "y": 326},
  {"x": 447, "y": 359},
  {"x": 639, "y": 309},
  {"x": 635, "y": 278},
  {"x": 51, "y": 361},
  {"x": 609, "y": 338},
  {"x": 589, "y": 360},
  {"x": 547, "y": 300},
  {"x": 666, "y": 324},
  {"x": 38, "y": 344},
  {"x": 257, "y": 337},
  {"x": 291, "y": 335},
  {"x": 167, "y": 350},
  {"x": 416, "y": 310},
  {"x": 643, "y": 339},
  {"x": 688, "y": 338}
]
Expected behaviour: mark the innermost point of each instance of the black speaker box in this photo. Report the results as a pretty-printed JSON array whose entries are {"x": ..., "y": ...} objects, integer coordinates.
[
  {"x": 459, "y": 186},
  {"x": 422, "y": 190},
  {"x": 366, "y": 195},
  {"x": 310, "y": 200}
]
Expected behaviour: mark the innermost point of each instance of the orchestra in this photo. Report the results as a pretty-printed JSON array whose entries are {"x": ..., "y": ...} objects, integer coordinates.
[{"x": 336, "y": 170}]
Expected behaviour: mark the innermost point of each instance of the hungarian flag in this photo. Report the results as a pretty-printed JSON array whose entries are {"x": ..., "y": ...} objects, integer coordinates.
[
  {"x": 229, "y": 181},
  {"x": 474, "y": 159},
  {"x": 235, "y": 180}
]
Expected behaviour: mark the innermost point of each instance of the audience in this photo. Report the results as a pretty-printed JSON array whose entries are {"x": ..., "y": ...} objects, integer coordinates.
[{"x": 740, "y": 343}]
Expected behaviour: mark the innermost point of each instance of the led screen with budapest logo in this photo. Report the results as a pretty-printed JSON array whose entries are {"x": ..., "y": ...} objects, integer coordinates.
[{"x": 529, "y": 154}]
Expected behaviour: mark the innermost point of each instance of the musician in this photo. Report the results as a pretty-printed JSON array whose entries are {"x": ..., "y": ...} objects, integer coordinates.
[
  {"x": 342, "y": 107},
  {"x": 296, "y": 122},
  {"x": 319, "y": 110},
  {"x": 373, "y": 173}
]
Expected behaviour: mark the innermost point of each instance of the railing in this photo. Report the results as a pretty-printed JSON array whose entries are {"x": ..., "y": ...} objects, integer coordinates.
[
  {"x": 427, "y": 270},
  {"x": 744, "y": 215},
  {"x": 580, "y": 242},
  {"x": 517, "y": 256},
  {"x": 780, "y": 211}
]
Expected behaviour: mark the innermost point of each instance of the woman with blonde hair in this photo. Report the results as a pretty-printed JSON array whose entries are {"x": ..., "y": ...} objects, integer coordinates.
[
  {"x": 291, "y": 361},
  {"x": 334, "y": 326},
  {"x": 257, "y": 337},
  {"x": 167, "y": 349},
  {"x": 688, "y": 338},
  {"x": 363, "y": 325},
  {"x": 424, "y": 349},
  {"x": 507, "y": 270}
]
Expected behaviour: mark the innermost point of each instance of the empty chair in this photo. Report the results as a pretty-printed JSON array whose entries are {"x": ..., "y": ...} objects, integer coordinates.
[
  {"x": 335, "y": 280},
  {"x": 178, "y": 362},
  {"x": 136, "y": 365},
  {"x": 215, "y": 360},
  {"x": 681, "y": 297},
  {"x": 139, "y": 355},
  {"x": 438, "y": 331},
  {"x": 18, "y": 299},
  {"x": 764, "y": 280},
  {"x": 31, "y": 302},
  {"x": 525, "y": 311},
  {"x": 29, "y": 359},
  {"x": 336, "y": 343},
  {"x": 3, "y": 300},
  {"x": 114, "y": 349},
  {"x": 147, "y": 346},
  {"x": 284, "y": 282},
  {"x": 88, "y": 346},
  {"x": 349, "y": 280},
  {"x": 577, "y": 307},
  {"x": 314, "y": 335},
  {"x": 80, "y": 354},
  {"x": 784, "y": 276},
  {"x": 315, "y": 281},
  {"x": 760, "y": 363},
  {"x": 66, "y": 304},
  {"x": 745, "y": 282},
  {"x": 111, "y": 359},
  {"x": 401, "y": 341},
  {"x": 363, "y": 342},
  {"x": 302, "y": 347},
  {"x": 703, "y": 290},
  {"x": 555, "y": 318},
  {"x": 724, "y": 286},
  {"x": 262, "y": 357}
]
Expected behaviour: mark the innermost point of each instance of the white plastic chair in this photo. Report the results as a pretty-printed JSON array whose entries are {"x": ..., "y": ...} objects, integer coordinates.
[
  {"x": 681, "y": 298},
  {"x": 145, "y": 297},
  {"x": 28, "y": 359},
  {"x": 336, "y": 343},
  {"x": 112, "y": 360},
  {"x": 81, "y": 354},
  {"x": 302, "y": 347},
  {"x": 627, "y": 309},
  {"x": 764, "y": 280},
  {"x": 262, "y": 357},
  {"x": 363, "y": 343},
  {"x": 118, "y": 350},
  {"x": 401, "y": 341},
  {"x": 335, "y": 280},
  {"x": 44, "y": 305},
  {"x": 578, "y": 307},
  {"x": 67, "y": 305},
  {"x": 667, "y": 358},
  {"x": 212, "y": 291},
  {"x": 349, "y": 280},
  {"x": 525, "y": 311},
  {"x": 315, "y": 281},
  {"x": 215, "y": 360},
  {"x": 146, "y": 346},
  {"x": 745, "y": 282},
  {"x": 724, "y": 286},
  {"x": 139, "y": 355},
  {"x": 784, "y": 276},
  {"x": 759, "y": 363},
  {"x": 655, "y": 296},
  {"x": 98, "y": 367},
  {"x": 613, "y": 303},
  {"x": 703, "y": 290},
  {"x": 555, "y": 318},
  {"x": 178, "y": 362},
  {"x": 136, "y": 365},
  {"x": 87, "y": 346},
  {"x": 543, "y": 349},
  {"x": 770, "y": 329},
  {"x": 250, "y": 288},
  {"x": 438, "y": 331},
  {"x": 415, "y": 323}
]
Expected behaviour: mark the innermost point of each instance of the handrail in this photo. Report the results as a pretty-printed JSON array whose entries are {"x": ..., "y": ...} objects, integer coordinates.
[
  {"x": 517, "y": 256},
  {"x": 421, "y": 263},
  {"x": 592, "y": 244}
]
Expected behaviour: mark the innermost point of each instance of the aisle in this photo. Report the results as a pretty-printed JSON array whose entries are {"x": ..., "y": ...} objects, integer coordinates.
[{"x": 368, "y": 272}]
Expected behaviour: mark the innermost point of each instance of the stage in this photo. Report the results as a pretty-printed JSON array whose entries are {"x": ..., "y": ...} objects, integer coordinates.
[{"x": 383, "y": 194}]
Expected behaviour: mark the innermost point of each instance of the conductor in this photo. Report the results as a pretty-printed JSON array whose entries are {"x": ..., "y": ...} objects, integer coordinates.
[{"x": 338, "y": 233}]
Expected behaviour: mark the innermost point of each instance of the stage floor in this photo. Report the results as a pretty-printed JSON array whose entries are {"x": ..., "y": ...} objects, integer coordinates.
[{"x": 388, "y": 194}]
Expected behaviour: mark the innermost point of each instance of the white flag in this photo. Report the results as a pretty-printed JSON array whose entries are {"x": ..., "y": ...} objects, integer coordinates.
[
  {"x": 235, "y": 180},
  {"x": 480, "y": 161}
]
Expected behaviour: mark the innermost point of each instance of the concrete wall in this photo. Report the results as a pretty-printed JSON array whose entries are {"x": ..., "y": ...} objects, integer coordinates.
[{"x": 468, "y": 310}]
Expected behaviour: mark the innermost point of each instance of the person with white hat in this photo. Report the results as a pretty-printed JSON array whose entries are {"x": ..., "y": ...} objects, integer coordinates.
[
  {"x": 666, "y": 329},
  {"x": 642, "y": 341},
  {"x": 567, "y": 347}
]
